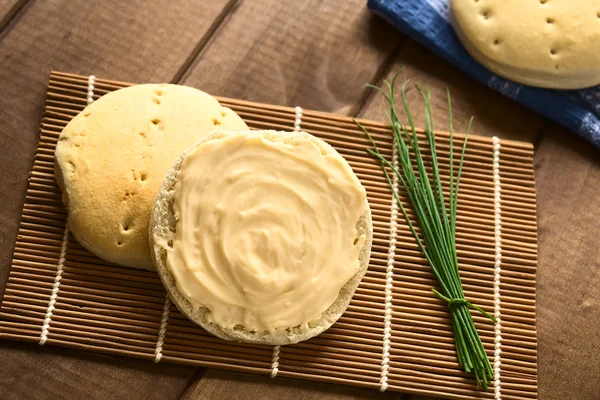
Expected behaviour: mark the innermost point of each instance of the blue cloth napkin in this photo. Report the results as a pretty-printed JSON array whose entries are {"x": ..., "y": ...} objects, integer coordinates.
[{"x": 427, "y": 21}]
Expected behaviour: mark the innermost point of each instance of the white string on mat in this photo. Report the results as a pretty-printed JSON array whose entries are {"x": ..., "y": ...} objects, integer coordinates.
[
  {"x": 90, "y": 93},
  {"x": 162, "y": 331},
  {"x": 63, "y": 249},
  {"x": 389, "y": 278},
  {"x": 497, "y": 270},
  {"x": 275, "y": 361},
  {"x": 56, "y": 286},
  {"x": 298, "y": 120},
  {"x": 277, "y": 349}
]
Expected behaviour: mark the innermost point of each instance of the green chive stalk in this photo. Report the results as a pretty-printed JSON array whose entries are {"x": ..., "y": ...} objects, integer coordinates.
[{"x": 436, "y": 220}]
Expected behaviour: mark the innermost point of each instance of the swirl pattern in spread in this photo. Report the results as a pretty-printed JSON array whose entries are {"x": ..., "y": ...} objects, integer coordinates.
[{"x": 266, "y": 233}]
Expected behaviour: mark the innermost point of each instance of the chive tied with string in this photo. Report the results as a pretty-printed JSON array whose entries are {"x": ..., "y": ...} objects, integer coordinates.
[{"x": 436, "y": 219}]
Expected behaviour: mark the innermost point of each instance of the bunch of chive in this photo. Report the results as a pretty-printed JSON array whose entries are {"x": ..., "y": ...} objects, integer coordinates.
[{"x": 436, "y": 219}]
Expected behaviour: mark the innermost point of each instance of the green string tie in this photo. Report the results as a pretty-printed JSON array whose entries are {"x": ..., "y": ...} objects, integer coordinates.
[{"x": 454, "y": 304}]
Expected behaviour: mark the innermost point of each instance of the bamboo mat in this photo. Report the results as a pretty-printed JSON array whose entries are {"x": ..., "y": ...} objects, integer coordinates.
[{"x": 98, "y": 306}]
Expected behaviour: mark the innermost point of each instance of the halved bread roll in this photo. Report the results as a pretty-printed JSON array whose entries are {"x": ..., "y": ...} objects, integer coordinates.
[{"x": 261, "y": 236}]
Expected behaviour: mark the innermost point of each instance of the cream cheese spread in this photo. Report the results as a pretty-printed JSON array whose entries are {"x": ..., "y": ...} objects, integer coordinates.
[{"x": 266, "y": 229}]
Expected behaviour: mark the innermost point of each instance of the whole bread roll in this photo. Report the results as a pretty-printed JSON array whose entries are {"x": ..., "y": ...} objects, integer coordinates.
[
  {"x": 112, "y": 157},
  {"x": 545, "y": 43},
  {"x": 229, "y": 224}
]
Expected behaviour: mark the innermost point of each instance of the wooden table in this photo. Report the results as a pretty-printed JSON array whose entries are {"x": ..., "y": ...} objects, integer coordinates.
[{"x": 310, "y": 53}]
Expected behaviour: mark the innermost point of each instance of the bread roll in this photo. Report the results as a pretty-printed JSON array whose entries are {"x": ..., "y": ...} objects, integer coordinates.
[
  {"x": 112, "y": 157},
  {"x": 545, "y": 43}
]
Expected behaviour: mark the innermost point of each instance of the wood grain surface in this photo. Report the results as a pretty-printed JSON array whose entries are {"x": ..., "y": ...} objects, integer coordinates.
[
  {"x": 8, "y": 9},
  {"x": 221, "y": 385},
  {"x": 316, "y": 55},
  {"x": 312, "y": 54},
  {"x": 568, "y": 186}
]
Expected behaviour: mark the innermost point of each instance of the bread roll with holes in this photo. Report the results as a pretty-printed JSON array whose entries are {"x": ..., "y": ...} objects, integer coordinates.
[
  {"x": 270, "y": 246},
  {"x": 112, "y": 157},
  {"x": 545, "y": 43}
]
